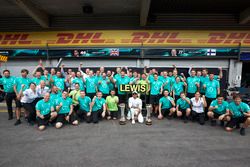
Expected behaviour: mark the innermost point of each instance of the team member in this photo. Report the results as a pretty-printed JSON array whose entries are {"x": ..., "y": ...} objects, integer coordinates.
[
  {"x": 218, "y": 110},
  {"x": 144, "y": 81},
  {"x": 55, "y": 95},
  {"x": 75, "y": 94},
  {"x": 38, "y": 78},
  {"x": 212, "y": 89},
  {"x": 166, "y": 81},
  {"x": 91, "y": 85},
  {"x": 103, "y": 85},
  {"x": 98, "y": 107},
  {"x": 45, "y": 112},
  {"x": 192, "y": 84},
  {"x": 166, "y": 106},
  {"x": 23, "y": 80},
  {"x": 135, "y": 107},
  {"x": 8, "y": 83},
  {"x": 78, "y": 79},
  {"x": 85, "y": 107},
  {"x": 65, "y": 111},
  {"x": 198, "y": 103},
  {"x": 112, "y": 105},
  {"x": 178, "y": 87},
  {"x": 121, "y": 80},
  {"x": 240, "y": 113},
  {"x": 42, "y": 89},
  {"x": 155, "y": 92},
  {"x": 29, "y": 100},
  {"x": 59, "y": 81},
  {"x": 183, "y": 107}
]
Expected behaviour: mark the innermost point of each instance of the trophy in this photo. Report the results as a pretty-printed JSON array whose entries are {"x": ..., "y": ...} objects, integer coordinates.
[
  {"x": 122, "y": 120},
  {"x": 149, "y": 110}
]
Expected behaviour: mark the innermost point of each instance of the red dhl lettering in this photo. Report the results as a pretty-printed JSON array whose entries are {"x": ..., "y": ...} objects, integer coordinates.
[
  {"x": 231, "y": 38},
  {"x": 68, "y": 38},
  {"x": 156, "y": 37},
  {"x": 13, "y": 39}
]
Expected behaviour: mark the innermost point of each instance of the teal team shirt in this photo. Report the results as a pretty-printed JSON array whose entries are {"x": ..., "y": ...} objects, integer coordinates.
[
  {"x": 38, "y": 80},
  {"x": 203, "y": 80},
  {"x": 165, "y": 102},
  {"x": 211, "y": 88},
  {"x": 155, "y": 87},
  {"x": 59, "y": 82},
  {"x": 54, "y": 97},
  {"x": 22, "y": 81},
  {"x": 178, "y": 88},
  {"x": 66, "y": 103},
  {"x": 121, "y": 81},
  {"x": 84, "y": 103},
  {"x": 191, "y": 84},
  {"x": 238, "y": 110},
  {"x": 8, "y": 84},
  {"x": 166, "y": 80},
  {"x": 44, "y": 107},
  {"x": 222, "y": 108},
  {"x": 103, "y": 86},
  {"x": 183, "y": 104},
  {"x": 91, "y": 84},
  {"x": 79, "y": 81},
  {"x": 98, "y": 103}
]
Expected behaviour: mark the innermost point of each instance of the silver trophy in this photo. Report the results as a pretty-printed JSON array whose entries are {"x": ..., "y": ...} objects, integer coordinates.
[
  {"x": 122, "y": 119},
  {"x": 148, "y": 117}
]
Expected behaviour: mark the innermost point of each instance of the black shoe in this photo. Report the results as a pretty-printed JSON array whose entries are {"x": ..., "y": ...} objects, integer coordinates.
[
  {"x": 237, "y": 126},
  {"x": 18, "y": 122},
  {"x": 10, "y": 118},
  {"x": 222, "y": 123},
  {"x": 213, "y": 122},
  {"x": 31, "y": 123},
  {"x": 242, "y": 132},
  {"x": 185, "y": 121}
]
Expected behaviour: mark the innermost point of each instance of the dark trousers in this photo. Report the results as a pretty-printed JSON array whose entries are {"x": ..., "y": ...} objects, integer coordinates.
[
  {"x": 200, "y": 117},
  {"x": 30, "y": 108},
  {"x": 190, "y": 95},
  {"x": 209, "y": 101},
  {"x": 82, "y": 115},
  {"x": 96, "y": 116},
  {"x": 9, "y": 97}
]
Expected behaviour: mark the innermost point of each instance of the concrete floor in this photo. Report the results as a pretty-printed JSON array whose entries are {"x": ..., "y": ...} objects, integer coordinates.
[{"x": 166, "y": 143}]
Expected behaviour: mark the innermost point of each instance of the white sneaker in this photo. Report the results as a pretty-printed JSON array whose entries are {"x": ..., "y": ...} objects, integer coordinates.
[
  {"x": 128, "y": 118},
  {"x": 133, "y": 122}
]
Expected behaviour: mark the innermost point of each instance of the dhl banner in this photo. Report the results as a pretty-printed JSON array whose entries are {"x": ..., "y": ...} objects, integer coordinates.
[{"x": 125, "y": 38}]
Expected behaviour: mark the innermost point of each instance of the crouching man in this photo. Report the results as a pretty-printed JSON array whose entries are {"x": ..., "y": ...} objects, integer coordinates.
[
  {"x": 98, "y": 107},
  {"x": 218, "y": 110},
  {"x": 65, "y": 111},
  {"x": 240, "y": 113},
  {"x": 166, "y": 106},
  {"x": 135, "y": 107},
  {"x": 45, "y": 112},
  {"x": 183, "y": 107}
]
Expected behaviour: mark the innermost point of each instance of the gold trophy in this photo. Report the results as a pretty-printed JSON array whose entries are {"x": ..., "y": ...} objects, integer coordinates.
[
  {"x": 122, "y": 119},
  {"x": 149, "y": 110}
]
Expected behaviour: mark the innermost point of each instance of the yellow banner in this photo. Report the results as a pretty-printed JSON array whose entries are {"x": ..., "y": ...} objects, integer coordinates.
[{"x": 125, "y": 38}]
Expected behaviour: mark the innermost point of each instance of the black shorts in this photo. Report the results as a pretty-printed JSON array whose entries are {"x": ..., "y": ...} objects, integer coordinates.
[
  {"x": 114, "y": 114},
  {"x": 154, "y": 99},
  {"x": 61, "y": 118},
  {"x": 122, "y": 98},
  {"x": 234, "y": 121},
  {"x": 216, "y": 115},
  {"x": 44, "y": 121},
  {"x": 165, "y": 112},
  {"x": 19, "y": 104}
]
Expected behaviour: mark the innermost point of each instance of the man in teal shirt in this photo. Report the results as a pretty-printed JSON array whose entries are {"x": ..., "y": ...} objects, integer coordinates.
[
  {"x": 183, "y": 107},
  {"x": 155, "y": 93},
  {"x": 38, "y": 78},
  {"x": 8, "y": 83},
  {"x": 218, "y": 110},
  {"x": 59, "y": 81},
  {"x": 78, "y": 79},
  {"x": 98, "y": 107},
  {"x": 85, "y": 107},
  {"x": 193, "y": 84},
  {"x": 23, "y": 80},
  {"x": 178, "y": 87},
  {"x": 166, "y": 106},
  {"x": 166, "y": 81},
  {"x": 240, "y": 113},
  {"x": 45, "y": 112},
  {"x": 91, "y": 85},
  {"x": 103, "y": 85},
  {"x": 64, "y": 108}
]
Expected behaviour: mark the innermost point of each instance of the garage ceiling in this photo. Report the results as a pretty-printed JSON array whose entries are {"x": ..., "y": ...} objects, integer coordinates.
[{"x": 39, "y": 15}]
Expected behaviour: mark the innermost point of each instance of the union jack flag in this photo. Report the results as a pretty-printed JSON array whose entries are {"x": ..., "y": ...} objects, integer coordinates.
[{"x": 114, "y": 52}]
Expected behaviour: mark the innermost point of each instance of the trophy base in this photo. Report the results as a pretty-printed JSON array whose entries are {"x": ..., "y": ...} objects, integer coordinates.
[
  {"x": 122, "y": 122},
  {"x": 148, "y": 122}
]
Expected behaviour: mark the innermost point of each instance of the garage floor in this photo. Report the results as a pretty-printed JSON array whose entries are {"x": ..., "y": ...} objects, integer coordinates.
[{"x": 166, "y": 143}]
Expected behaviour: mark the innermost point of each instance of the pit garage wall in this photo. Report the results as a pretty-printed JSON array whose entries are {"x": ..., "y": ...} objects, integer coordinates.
[{"x": 234, "y": 67}]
